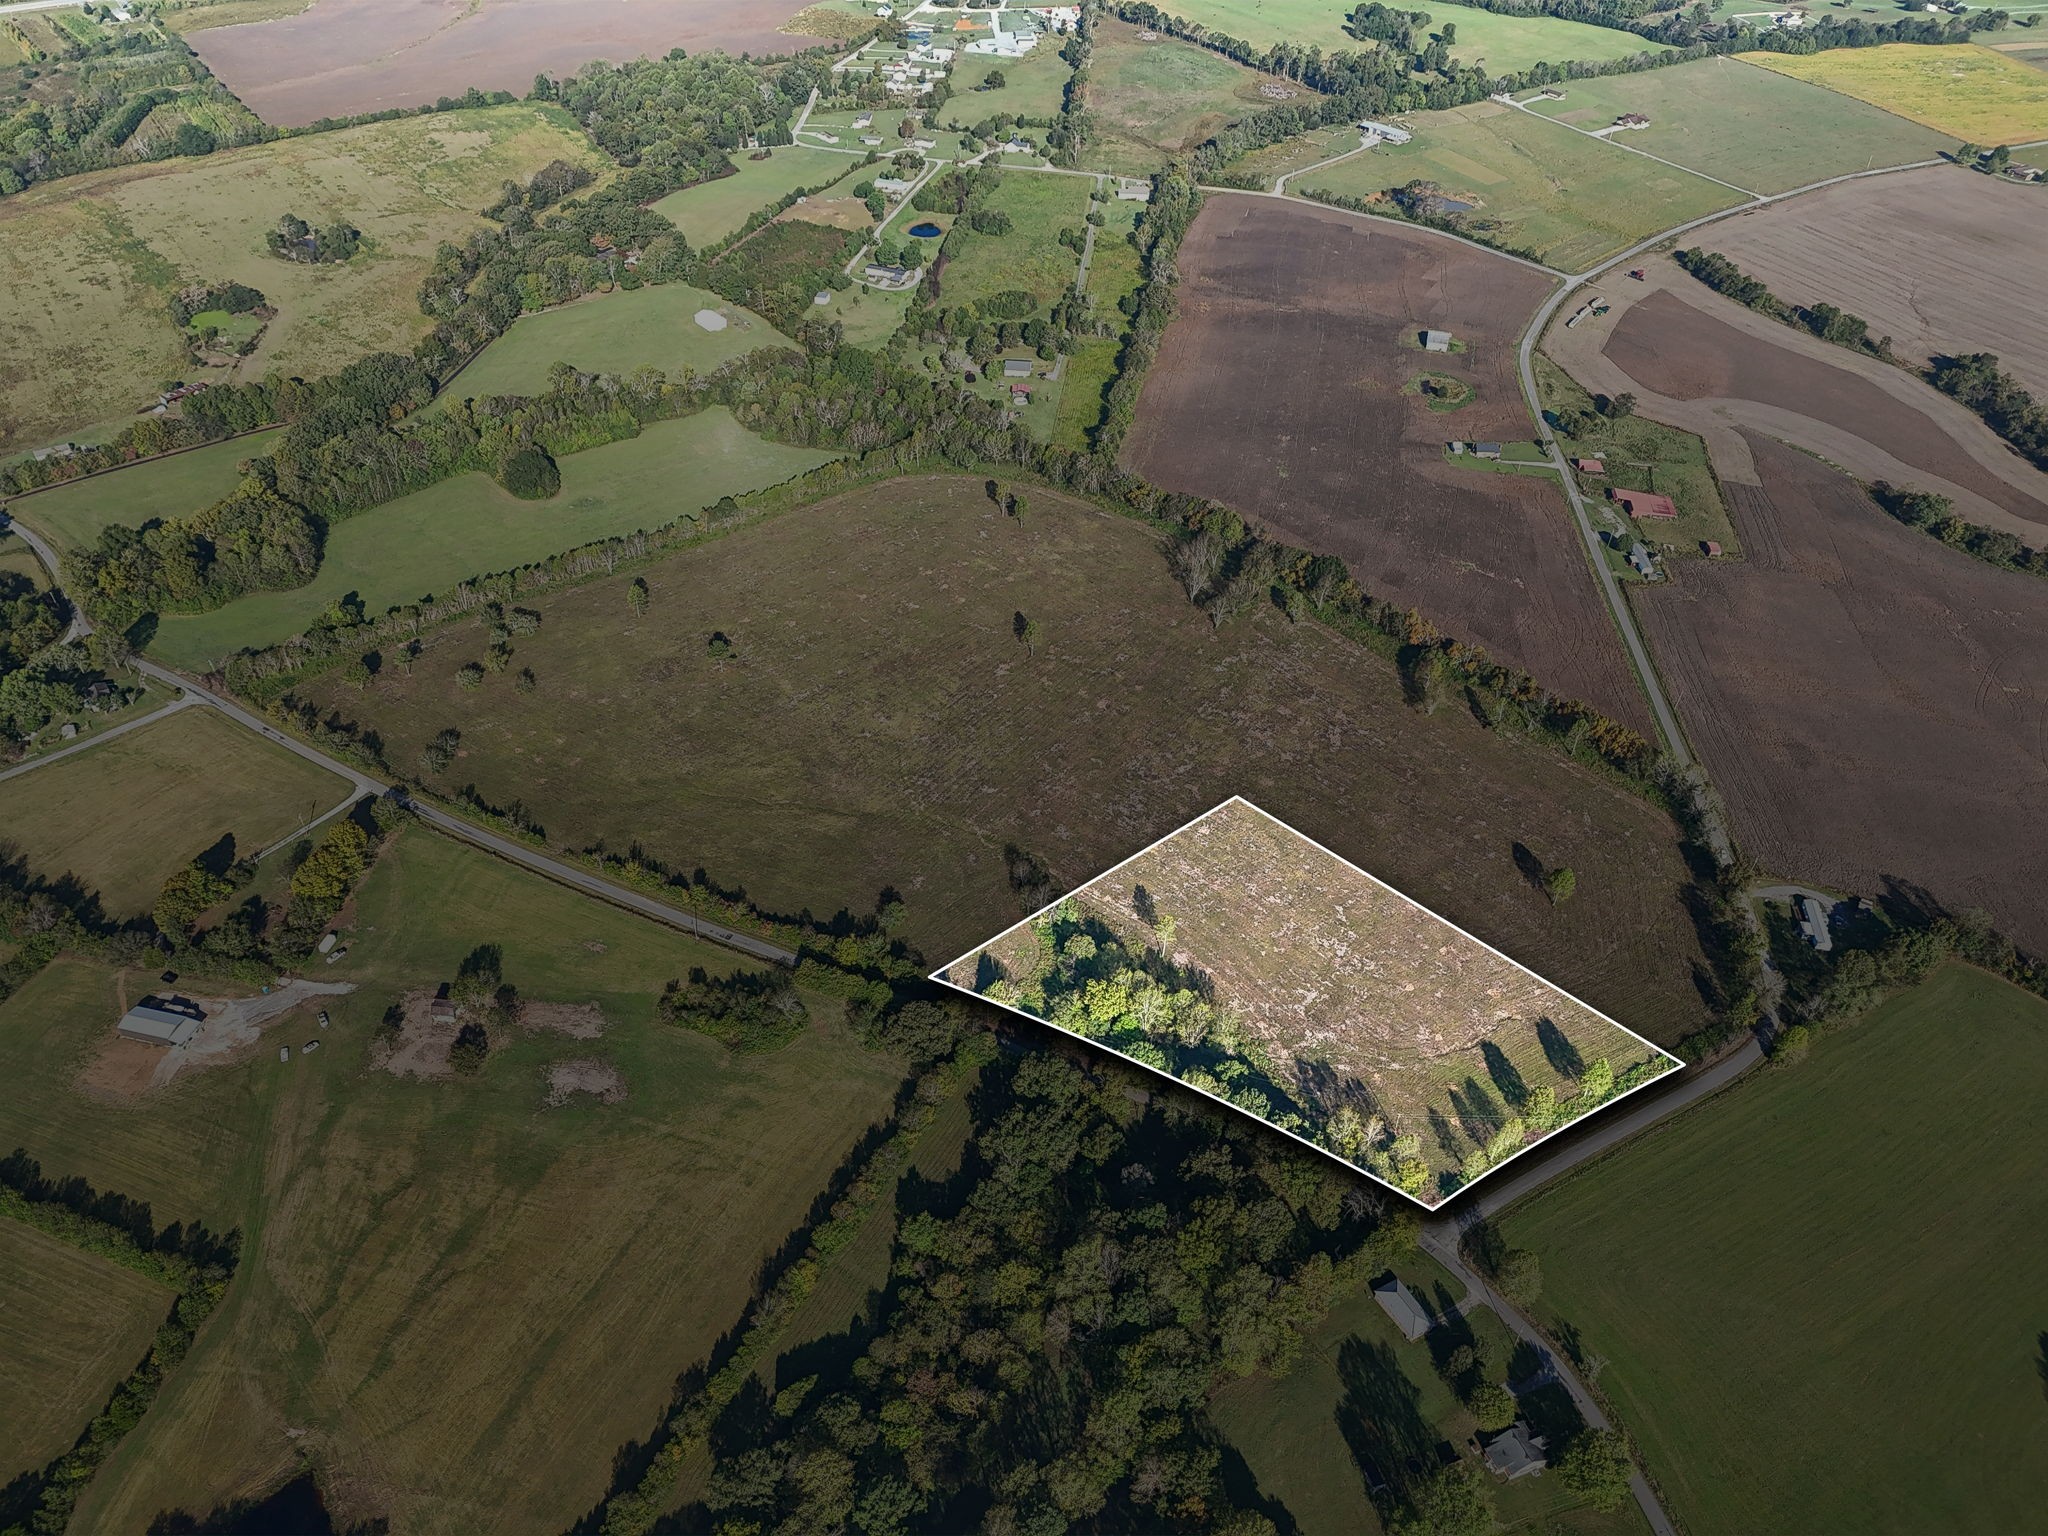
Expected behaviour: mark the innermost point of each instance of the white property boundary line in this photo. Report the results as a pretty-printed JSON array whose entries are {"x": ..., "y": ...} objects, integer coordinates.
[{"x": 941, "y": 978}]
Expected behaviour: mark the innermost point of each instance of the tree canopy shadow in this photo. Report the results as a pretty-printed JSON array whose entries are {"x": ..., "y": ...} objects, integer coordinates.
[
  {"x": 1380, "y": 1415},
  {"x": 1505, "y": 1076},
  {"x": 1558, "y": 1050}
]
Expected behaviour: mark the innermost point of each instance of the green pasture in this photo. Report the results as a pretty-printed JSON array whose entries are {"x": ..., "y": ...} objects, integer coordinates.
[
  {"x": 1030, "y": 256},
  {"x": 1151, "y": 100},
  {"x": 1289, "y": 156},
  {"x": 1033, "y": 87},
  {"x": 123, "y": 815},
  {"x": 711, "y": 210},
  {"x": 1759, "y": 129},
  {"x": 71, "y": 516},
  {"x": 1832, "y": 1266},
  {"x": 1503, "y": 44},
  {"x": 615, "y": 332},
  {"x": 1091, "y": 368},
  {"x": 468, "y": 526},
  {"x": 1572, "y": 199}
]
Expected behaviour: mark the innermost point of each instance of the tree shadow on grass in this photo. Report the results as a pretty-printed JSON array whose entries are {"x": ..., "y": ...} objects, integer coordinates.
[
  {"x": 2041, "y": 1365},
  {"x": 1504, "y": 1074},
  {"x": 1380, "y": 1416},
  {"x": 1558, "y": 1050}
]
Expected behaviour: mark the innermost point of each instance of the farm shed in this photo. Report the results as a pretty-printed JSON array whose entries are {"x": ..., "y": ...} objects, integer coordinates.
[
  {"x": 1813, "y": 922},
  {"x": 1516, "y": 1453},
  {"x": 1399, "y": 1303},
  {"x": 1436, "y": 341},
  {"x": 1487, "y": 450},
  {"x": 1642, "y": 504},
  {"x": 1387, "y": 131},
  {"x": 1590, "y": 466},
  {"x": 1710, "y": 547},
  {"x": 157, "y": 1022},
  {"x": 1016, "y": 367},
  {"x": 1639, "y": 559}
]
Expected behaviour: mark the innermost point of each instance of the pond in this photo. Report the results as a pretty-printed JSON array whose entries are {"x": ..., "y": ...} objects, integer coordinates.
[{"x": 926, "y": 231}]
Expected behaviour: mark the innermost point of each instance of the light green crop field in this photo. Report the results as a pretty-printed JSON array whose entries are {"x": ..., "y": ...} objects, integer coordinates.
[
  {"x": 1866, "y": 1229},
  {"x": 124, "y": 814},
  {"x": 711, "y": 210},
  {"x": 468, "y": 526},
  {"x": 1030, "y": 256},
  {"x": 71, "y": 1326},
  {"x": 654, "y": 327},
  {"x": 1962, "y": 90},
  {"x": 90, "y": 336},
  {"x": 1033, "y": 86},
  {"x": 71, "y": 516},
  {"x": 1149, "y": 100},
  {"x": 1503, "y": 44},
  {"x": 1571, "y": 199},
  {"x": 1754, "y": 127},
  {"x": 437, "y": 1271}
]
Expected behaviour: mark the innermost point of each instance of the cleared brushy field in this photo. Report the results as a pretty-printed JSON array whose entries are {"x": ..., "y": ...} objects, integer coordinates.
[
  {"x": 1358, "y": 997},
  {"x": 880, "y": 723},
  {"x": 1869, "y": 702},
  {"x": 1279, "y": 391},
  {"x": 88, "y": 264},
  {"x": 1937, "y": 259}
]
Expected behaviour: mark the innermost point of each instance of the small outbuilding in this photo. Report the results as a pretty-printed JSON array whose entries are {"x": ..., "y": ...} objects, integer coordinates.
[
  {"x": 162, "y": 1021},
  {"x": 1642, "y": 504},
  {"x": 1640, "y": 561},
  {"x": 1813, "y": 922},
  {"x": 1016, "y": 367},
  {"x": 1516, "y": 1453},
  {"x": 1711, "y": 548},
  {"x": 1436, "y": 341},
  {"x": 1590, "y": 466},
  {"x": 1486, "y": 450},
  {"x": 1399, "y": 1303}
]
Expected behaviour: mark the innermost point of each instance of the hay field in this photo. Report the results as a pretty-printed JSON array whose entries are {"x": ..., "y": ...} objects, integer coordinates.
[
  {"x": 87, "y": 264},
  {"x": 1571, "y": 199},
  {"x": 712, "y": 210},
  {"x": 71, "y": 1326},
  {"x": 1148, "y": 101},
  {"x": 470, "y": 525},
  {"x": 866, "y": 727},
  {"x": 1033, "y": 87},
  {"x": 124, "y": 814},
  {"x": 71, "y": 516},
  {"x": 1030, "y": 256},
  {"x": 1504, "y": 44},
  {"x": 1928, "y": 257},
  {"x": 1758, "y": 128},
  {"x": 615, "y": 333},
  {"x": 438, "y": 1272},
  {"x": 1960, "y": 89},
  {"x": 1886, "y": 1305}
]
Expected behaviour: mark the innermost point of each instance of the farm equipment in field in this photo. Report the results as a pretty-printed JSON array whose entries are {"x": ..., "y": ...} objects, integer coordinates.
[{"x": 1638, "y": 274}]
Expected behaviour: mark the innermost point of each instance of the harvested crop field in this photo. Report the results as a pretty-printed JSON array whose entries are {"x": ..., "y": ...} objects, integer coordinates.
[
  {"x": 1960, "y": 89},
  {"x": 1278, "y": 391},
  {"x": 865, "y": 727},
  {"x": 1870, "y": 702},
  {"x": 344, "y": 57},
  {"x": 1325, "y": 989},
  {"x": 1680, "y": 350},
  {"x": 1933, "y": 258}
]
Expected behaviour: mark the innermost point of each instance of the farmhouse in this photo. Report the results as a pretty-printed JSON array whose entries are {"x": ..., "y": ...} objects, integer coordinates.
[
  {"x": 1486, "y": 450},
  {"x": 1642, "y": 504},
  {"x": 890, "y": 277},
  {"x": 2018, "y": 172},
  {"x": 1640, "y": 560},
  {"x": 1631, "y": 120},
  {"x": 162, "y": 1021},
  {"x": 1399, "y": 1303},
  {"x": 1057, "y": 18},
  {"x": 1436, "y": 341},
  {"x": 1129, "y": 190},
  {"x": 1813, "y": 922},
  {"x": 1386, "y": 131},
  {"x": 891, "y": 186},
  {"x": 1516, "y": 1453}
]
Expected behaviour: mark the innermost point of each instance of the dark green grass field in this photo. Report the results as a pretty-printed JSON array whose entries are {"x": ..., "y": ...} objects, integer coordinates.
[
  {"x": 1030, "y": 256},
  {"x": 865, "y": 731},
  {"x": 1820, "y": 1293}
]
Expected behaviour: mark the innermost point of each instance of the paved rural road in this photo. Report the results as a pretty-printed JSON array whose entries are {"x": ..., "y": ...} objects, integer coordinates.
[
  {"x": 37, "y": 5},
  {"x": 92, "y": 741},
  {"x": 80, "y": 626}
]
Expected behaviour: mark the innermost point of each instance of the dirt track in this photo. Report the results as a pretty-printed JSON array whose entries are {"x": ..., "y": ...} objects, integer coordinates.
[
  {"x": 1871, "y": 704},
  {"x": 348, "y": 56},
  {"x": 1278, "y": 391}
]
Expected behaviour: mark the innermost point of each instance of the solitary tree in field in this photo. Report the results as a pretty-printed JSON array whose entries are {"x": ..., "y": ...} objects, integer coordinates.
[
  {"x": 1559, "y": 884},
  {"x": 636, "y": 595},
  {"x": 1596, "y": 1465},
  {"x": 1033, "y": 633}
]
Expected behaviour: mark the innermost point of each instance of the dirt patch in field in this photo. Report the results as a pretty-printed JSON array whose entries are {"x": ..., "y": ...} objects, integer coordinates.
[
  {"x": 1675, "y": 346},
  {"x": 423, "y": 1040},
  {"x": 1279, "y": 390},
  {"x": 348, "y": 56},
  {"x": 1937, "y": 259},
  {"x": 579, "y": 1021},
  {"x": 585, "y": 1075},
  {"x": 1871, "y": 704},
  {"x": 120, "y": 1071}
]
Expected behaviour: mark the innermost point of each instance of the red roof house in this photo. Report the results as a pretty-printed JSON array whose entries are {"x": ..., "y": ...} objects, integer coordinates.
[
  {"x": 1642, "y": 504},
  {"x": 1589, "y": 466}
]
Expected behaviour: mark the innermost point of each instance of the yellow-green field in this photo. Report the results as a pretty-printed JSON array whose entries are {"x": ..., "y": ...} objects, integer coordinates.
[
  {"x": 87, "y": 264},
  {"x": 1150, "y": 100},
  {"x": 1502, "y": 43},
  {"x": 1969, "y": 92},
  {"x": 123, "y": 815},
  {"x": 71, "y": 1325},
  {"x": 71, "y": 516},
  {"x": 1572, "y": 199},
  {"x": 711, "y": 210}
]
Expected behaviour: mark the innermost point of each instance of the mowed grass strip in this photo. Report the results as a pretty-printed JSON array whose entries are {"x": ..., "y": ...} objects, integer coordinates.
[
  {"x": 711, "y": 210},
  {"x": 864, "y": 731},
  {"x": 1535, "y": 184},
  {"x": 468, "y": 526},
  {"x": 89, "y": 335},
  {"x": 71, "y": 516},
  {"x": 1963, "y": 90},
  {"x": 1865, "y": 1231},
  {"x": 1757, "y": 128},
  {"x": 71, "y": 1326},
  {"x": 122, "y": 815},
  {"x": 1030, "y": 257},
  {"x": 1504, "y": 44},
  {"x": 653, "y": 327}
]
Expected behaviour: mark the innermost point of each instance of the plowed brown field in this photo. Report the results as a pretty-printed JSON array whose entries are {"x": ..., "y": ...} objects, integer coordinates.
[
  {"x": 1278, "y": 390},
  {"x": 1928, "y": 257},
  {"x": 1871, "y": 703},
  {"x": 347, "y": 56}
]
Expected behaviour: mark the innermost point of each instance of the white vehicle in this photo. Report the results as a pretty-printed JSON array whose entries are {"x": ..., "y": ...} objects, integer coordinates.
[{"x": 284, "y": 1053}]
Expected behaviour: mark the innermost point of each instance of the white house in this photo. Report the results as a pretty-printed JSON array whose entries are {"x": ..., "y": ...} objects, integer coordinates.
[{"x": 1387, "y": 131}]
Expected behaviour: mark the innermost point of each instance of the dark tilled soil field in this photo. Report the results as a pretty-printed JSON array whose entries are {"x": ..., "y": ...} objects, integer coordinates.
[
  {"x": 880, "y": 722},
  {"x": 1677, "y": 350},
  {"x": 347, "y": 56},
  {"x": 1278, "y": 391},
  {"x": 1871, "y": 703}
]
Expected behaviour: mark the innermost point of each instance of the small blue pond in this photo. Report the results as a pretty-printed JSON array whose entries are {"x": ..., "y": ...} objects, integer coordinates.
[{"x": 926, "y": 231}]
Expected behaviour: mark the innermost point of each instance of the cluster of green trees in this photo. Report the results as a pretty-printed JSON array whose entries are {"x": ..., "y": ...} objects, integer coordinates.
[
  {"x": 747, "y": 1011},
  {"x": 2005, "y": 404},
  {"x": 1934, "y": 515},
  {"x": 230, "y": 298},
  {"x": 31, "y": 619},
  {"x": 295, "y": 240},
  {"x": 38, "y": 686},
  {"x": 1823, "y": 320},
  {"x": 1001, "y": 321},
  {"x": 1070, "y": 130}
]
